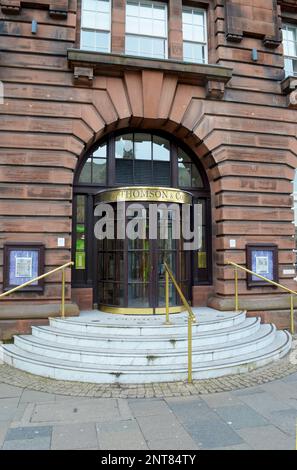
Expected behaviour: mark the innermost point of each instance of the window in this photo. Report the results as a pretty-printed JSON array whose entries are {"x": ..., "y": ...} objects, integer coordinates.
[
  {"x": 95, "y": 25},
  {"x": 188, "y": 173},
  {"x": 94, "y": 170},
  {"x": 194, "y": 35},
  {"x": 290, "y": 49},
  {"x": 80, "y": 232},
  {"x": 142, "y": 159},
  {"x": 146, "y": 29}
]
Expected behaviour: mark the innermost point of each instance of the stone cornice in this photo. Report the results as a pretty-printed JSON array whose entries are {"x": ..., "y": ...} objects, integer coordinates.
[{"x": 214, "y": 77}]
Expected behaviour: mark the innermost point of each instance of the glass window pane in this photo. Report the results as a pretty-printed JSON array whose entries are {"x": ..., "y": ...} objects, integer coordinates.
[
  {"x": 183, "y": 156},
  {"x": 104, "y": 6},
  {"x": 100, "y": 151},
  {"x": 132, "y": 45},
  {"x": 196, "y": 178},
  {"x": 198, "y": 18},
  {"x": 161, "y": 148},
  {"x": 146, "y": 46},
  {"x": 146, "y": 26},
  {"x": 103, "y": 21},
  {"x": 184, "y": 174},
  {"x": 138, "y": 295},
  {"x": 143, "y": 146},
  {"x": 85, "y": 175},
  {"x": 159, "y": 12},
  {"x": 159, "y": 48},
  {"x": 198, "y": 34},
  {"x": 161, "y": 173},
  {"x": 138, "y": 266},
  {"x": 143, "y": 172},
  {"x": 88, "y": 39},
  {"x": 124, "y": 171},
  {"x": 187, "y": 17},
  {"x": 124, "y": 146},
  {"x": 187, "y": 32},
  {"x": 289, "y": 66},
  {"x": 159, "y": 28},
  {"x": 102, "y": 42},
  {"x": 99, "y": 170},
  {"x": 145, "y": 10},
  {"x": 132, "y": 8},
  {"x": 132, "y": 25}
]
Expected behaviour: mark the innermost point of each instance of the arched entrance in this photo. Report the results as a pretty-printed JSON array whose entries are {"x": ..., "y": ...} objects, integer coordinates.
[{"x": 126, "y": 274}]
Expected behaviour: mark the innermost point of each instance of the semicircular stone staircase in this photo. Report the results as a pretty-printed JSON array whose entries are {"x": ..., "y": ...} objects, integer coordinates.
[{"x": 105, "y": 348}]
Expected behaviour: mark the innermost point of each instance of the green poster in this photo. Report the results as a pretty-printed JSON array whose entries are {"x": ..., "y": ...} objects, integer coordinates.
[
  {"x": 202, "y": 259},
  {"x": 80, "y": 260}
]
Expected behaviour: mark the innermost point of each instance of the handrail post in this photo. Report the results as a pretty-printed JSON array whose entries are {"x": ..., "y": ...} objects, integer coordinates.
[
  {"x": 236, "y": 289},
  {"x": 190, "y": 349},
  {"x": 292, "y": 314},
  {"x": 63, "y": 294},
  {"x": 167, "y": 321}
]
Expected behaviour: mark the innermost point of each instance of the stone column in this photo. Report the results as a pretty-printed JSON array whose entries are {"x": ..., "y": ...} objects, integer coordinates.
[
  {"x": 175, "y": 30},
  {"x": 118, "y": 19}
]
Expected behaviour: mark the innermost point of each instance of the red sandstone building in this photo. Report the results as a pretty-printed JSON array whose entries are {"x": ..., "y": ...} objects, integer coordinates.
[{"x": 101, "y": 94}]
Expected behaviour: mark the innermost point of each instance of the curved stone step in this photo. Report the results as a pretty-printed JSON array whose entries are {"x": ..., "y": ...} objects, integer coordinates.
[
  {"x": 148, "y": 324},
  {"x": 119, "y": 357},
  {"x": 84, "y": 372},
  {"x": 171, "y": 341}
]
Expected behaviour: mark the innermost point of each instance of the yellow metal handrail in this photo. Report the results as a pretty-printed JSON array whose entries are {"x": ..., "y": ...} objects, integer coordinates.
[
  {"x": 191, "y": 316},
  {"x": 42, "y": 276},
  {"x": 276, "y": 284}
]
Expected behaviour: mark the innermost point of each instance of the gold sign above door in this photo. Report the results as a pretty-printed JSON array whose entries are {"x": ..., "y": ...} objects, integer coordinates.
[{"x": 144, "y": 193}]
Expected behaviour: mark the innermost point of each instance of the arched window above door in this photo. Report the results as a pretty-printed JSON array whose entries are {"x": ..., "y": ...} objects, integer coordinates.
[{"x": 140, "y": 158}]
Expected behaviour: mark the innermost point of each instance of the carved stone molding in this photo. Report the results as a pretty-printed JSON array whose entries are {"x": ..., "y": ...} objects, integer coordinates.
[
  {"x": 83, "y": 75},
  {"x": 215, "y": 89},
  {"x": 238, "y": 23},
  {"x": 57, "y": 8},
  {"x": 289, "y": 88},
  {"x": 11, "y": 7},
  {"x": 214, "y": 77}
]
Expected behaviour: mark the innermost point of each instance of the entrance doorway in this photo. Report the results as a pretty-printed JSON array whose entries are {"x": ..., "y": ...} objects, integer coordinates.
[{"x": 129, "y": 273}]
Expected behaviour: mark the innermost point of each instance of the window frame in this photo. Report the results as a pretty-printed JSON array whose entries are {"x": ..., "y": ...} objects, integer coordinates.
[
  {"x": 285, "y": 27},
  {"x": 205, "y": 26},
  {"x": 96, "y": 30},
  {"x": 164, "y": 38}
]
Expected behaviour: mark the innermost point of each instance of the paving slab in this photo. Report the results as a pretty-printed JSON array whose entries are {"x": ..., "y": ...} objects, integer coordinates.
[
  {"x": 185, "y": 443},
  {"x": 163, "y": 427},
  {"x": 148, "y": 407},
  {"x": 285, "y": 420},
  {"x": 121, "y": 435},
  {"x": 90, "y": 410},
  {"x": 8, "y": 407},
  {"x": 217, "y": 400},
  {"x": 267, "y": 438},
  {"x": 241, "y": 416},
  {"x": 74, "y": 436},
  {"x": 29, "y": 396},
  {"x": 31, "y": 432},
  {"x": 10, "y": 391},
  {"x": 209, "y": 434},
  {"x": 265, "y": 402},
  {"x": 4, "y": 426},
  {"x": 39, "y": 443}
]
